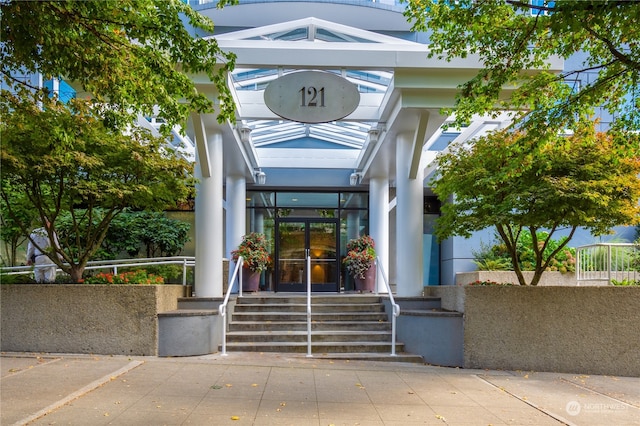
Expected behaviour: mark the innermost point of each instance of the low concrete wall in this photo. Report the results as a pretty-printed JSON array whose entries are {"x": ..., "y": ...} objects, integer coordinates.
[
  {"x": 189, "y": 333},
  {"x": 585, "y": 330},
  {"x": 549, "y": 278},
  {"x": 436, "y": 336},
  {"x": 92, "y": 319}
]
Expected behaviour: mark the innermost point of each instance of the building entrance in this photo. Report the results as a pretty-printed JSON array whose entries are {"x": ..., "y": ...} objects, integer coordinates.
[{"x": 297, "y": 238}]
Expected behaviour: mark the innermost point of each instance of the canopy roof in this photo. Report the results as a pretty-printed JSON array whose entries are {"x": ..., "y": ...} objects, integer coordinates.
[{"x": 401, "y": 92}]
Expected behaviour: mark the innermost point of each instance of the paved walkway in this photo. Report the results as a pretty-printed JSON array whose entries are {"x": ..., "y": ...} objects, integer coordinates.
[{"x": 283, "y": 389}]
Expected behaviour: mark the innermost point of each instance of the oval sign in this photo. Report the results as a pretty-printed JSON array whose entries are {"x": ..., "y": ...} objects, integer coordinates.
[{"x": 311, "y": 97}]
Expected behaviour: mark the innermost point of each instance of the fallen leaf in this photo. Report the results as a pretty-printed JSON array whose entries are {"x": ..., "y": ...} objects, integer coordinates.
[
  {"x": 235, "y": 418},
  {"x": 229, "y": 385},
  {"x": 255, "y": 385}
]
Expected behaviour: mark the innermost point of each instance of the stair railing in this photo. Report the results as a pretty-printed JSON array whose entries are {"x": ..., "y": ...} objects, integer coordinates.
[
  {"x": 394, "y": 306},
  {"x": 309, "y": 306},
  {"x": 222, "y": 309}
]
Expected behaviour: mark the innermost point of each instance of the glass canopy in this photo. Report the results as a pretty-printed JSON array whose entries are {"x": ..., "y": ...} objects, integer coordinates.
[{"x": 344, "y": 134}]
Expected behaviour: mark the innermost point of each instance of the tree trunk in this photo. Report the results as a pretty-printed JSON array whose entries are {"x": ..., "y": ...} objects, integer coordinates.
[
  {"x": 536, "y": 277},
  {"x": 76, "y": 273}
]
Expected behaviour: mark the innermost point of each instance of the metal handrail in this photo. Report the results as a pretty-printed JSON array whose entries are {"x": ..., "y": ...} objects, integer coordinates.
[
  {"x": 394, "y": 306},
  {"x": 222, "y": 309},
  {"x": 185, "y": 261},
  {"x": 309, "y": 307}
]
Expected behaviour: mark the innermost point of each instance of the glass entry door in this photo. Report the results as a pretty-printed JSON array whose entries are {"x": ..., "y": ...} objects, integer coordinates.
[{"x": 297, "y": 238}]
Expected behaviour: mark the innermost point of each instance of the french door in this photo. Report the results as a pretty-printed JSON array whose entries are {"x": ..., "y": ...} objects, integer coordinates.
[{"x": 295, "y": 240}]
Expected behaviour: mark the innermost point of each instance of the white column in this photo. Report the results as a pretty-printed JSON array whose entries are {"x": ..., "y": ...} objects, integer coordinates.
[
  {"x": 236, "y": 214},
  {"x": 379, "y": 223},
  {"x": 409, "y": 197},
  {"x": 209, "y": 222}
]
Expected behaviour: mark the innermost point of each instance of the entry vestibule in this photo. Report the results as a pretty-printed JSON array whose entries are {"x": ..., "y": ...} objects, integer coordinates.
[{"x": 301, "y": 224}]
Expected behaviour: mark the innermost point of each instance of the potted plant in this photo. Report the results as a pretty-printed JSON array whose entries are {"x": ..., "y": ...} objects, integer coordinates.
[
  {"x": 254, "y": 250},
  {"x": 359, "y": 261}
]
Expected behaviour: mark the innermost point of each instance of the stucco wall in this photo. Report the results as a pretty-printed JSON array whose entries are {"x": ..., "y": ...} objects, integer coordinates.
[
  {"x": 586, "y": 330},
  {"x": 95, "y": 319}
]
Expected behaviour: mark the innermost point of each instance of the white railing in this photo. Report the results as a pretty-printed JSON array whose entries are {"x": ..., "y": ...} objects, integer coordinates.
[
  {"x": 394, "y": 306},
  {"x": 113, "y": 265},
  {"x": 222, "y": 309},
  {"x": 309, "y": 306},
  {"x": 608, "y": 262}
]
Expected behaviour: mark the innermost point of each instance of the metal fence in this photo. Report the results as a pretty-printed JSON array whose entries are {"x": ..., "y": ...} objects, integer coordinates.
[
  {"x": 608, "y": 262},
  {"x": 115, "y": 265}
]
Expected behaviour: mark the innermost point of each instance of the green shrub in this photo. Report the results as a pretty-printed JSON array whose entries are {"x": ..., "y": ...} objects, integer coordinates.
[
  {"x": 172, "y": 274},
  {"x": 133, "y": 277},
  {"x": 496, "y": 257},
  {"x": 625, "y": 282},
  {"x": 17, "y": 279}
]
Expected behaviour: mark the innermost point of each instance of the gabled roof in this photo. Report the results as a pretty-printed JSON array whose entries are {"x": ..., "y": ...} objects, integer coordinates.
[{"x": 311, "y": 29}]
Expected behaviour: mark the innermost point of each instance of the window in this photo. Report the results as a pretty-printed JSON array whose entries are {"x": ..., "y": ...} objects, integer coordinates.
[{"x": 538, "y": 7}]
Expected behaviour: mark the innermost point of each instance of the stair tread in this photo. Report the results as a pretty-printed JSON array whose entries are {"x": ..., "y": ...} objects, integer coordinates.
[
  {"x": 312, "y": 312},
  {"x": 351, "y": 327},
  {"x": 240, "y": 302},
  {"x": 304, "y": 322},
  {"x": 313, "y": 332},
  {"x": 314, "y": 344}
]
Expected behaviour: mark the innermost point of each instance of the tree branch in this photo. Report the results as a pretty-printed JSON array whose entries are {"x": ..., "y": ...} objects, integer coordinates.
[{"x": 612, "y": 48}]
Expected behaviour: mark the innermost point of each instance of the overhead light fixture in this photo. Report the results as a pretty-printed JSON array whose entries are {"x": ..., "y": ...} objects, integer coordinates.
[
  {"x": 261, "y": 177},
  {"x": 354, "y": 178},
  {"x": 373, "y": 135},
  {"x": 245, "y": 134}
]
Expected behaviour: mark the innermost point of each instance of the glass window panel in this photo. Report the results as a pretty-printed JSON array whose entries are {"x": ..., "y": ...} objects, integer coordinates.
[
  {"x": 354, "y": 200},
  {"x": 284, "y": 212},
  {"x": 353, "y": 223},
  {"x": 261, "y": 220},
  {"x": 307, "y": 199},
  {"x": 260, "y": 199}
]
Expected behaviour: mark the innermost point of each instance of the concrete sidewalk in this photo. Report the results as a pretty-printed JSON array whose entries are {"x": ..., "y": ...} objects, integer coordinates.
[{"x": 285, "y": 389}]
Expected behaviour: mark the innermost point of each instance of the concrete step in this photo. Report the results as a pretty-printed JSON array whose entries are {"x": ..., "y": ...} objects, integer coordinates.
[
  {"x": 398, "y": 357},
  {"x": 302, "y": 316},
  {"x": 316, "y": 347},
  {"x": 315, "y": 308},
  {"x": 315, "y": 325},
  {"x": 351, "y": 336},
  {"x": 344, "y": 326},
  {"x": 297, "y": 298}
]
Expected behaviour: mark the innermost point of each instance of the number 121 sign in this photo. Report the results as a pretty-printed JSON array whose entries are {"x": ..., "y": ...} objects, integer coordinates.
[{"x": 312, "y": 97}]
